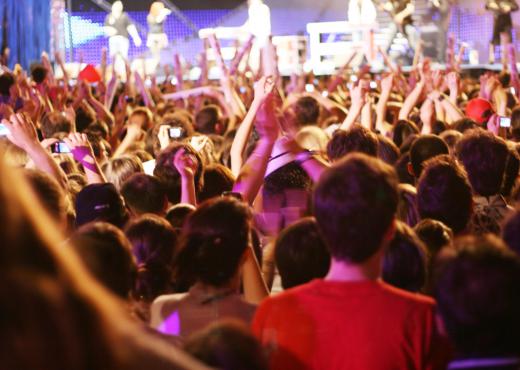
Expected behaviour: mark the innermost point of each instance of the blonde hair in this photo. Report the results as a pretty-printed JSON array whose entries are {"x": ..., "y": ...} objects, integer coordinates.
[{"x": 118, "y": 170}]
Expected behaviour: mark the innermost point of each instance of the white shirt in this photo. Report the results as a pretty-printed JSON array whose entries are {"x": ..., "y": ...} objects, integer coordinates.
[{"x": 361, "y": 12}]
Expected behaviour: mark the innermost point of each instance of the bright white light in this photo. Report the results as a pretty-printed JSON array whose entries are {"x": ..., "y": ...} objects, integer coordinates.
[{"x": 309, "y": 88}]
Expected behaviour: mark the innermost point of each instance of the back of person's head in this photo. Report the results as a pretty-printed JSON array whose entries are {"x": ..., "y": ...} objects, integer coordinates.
[
  {"x": 227, "y": 345},
  {"x": 107, "y": 254},
  {"x": 484, "y": 157},
  {"x": 451, "y": 138},
  {"x": 6, "y": 82},
  {"x": 307, "y": 111},
  {"x": 117, "y": 170},
  {"x": 38, "y": 72},
  {"x": 144, "y": 194},
  {"x": 178, "y": 214},
  {"x": 434, "y": 234},
  {"x": 213, "y": 242},
  {"x": 84, "y": 118},
  {"x": 142, "y": 116},
  {"x": 355, "y": 204},
  {"x": 402, "y": 130},
  {"x": 50, "y": 194},
  {"x": 301, "y": 254},
  {"x": 217, "y": 180},
  {"x": 356, "y": 139},
  {"x": 405, "y": 260},
  {"x": 511, "y": 231},
  {"x": 153, "y": 243},
  {"x": 515, "y": 124},
  {"x": 167, "y": 173},
  {"x": 444, "y": 193},
  {"x": 387, "y": 151},
  {"x": 208, "y": 120},
  {"x": 478, "y": 298},
  {"x": 54, "y": 123},
  {"x": 463, "y": 125},
  {"x": 100, "y": 202},
  {"x": 423, "y": 148},
  {"x": 312, "y": 138}
]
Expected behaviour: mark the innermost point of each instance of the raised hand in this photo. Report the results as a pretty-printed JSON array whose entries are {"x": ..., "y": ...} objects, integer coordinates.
[
  {"x": 185, "y": 163},
  {"x": 263, "y": 87},
  {"x": 267, "y": 121},
  {"x": 22, "y": 132}
]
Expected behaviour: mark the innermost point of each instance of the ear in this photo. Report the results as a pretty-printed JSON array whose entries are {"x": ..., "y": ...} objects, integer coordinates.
[
  {"x": 390, "y": 233},
  {"x": 219, "y": 128},
  {"x": 409, "y": 167},
  {"x": 165, "y": 205}
]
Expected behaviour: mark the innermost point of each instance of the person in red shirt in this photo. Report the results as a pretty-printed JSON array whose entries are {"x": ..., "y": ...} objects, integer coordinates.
[{"x": 351, "y": 319}]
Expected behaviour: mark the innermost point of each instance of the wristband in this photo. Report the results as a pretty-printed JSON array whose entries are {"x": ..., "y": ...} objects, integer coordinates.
[{"x": 80, "y": 153}]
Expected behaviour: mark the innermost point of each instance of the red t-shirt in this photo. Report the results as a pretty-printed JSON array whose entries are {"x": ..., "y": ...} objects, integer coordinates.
[{"x": 365, "y": 325}]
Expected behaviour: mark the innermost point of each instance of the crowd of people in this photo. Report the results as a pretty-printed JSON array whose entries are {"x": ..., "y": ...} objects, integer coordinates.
[{"x": 355, "y": 221}]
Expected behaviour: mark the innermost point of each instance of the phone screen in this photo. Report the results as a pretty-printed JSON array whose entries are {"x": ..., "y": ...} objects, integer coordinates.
[
  {"x": 3, "y": 130},
  {"x": 60, "y": 147},
  {"x": 505, "y": 122},
  {"x": 175, "y": 132}
]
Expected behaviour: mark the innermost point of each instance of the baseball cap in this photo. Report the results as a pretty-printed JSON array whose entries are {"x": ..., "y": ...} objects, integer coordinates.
[
  {"x": 480, "y": 110},
  {"x": 100, "y": 202}
]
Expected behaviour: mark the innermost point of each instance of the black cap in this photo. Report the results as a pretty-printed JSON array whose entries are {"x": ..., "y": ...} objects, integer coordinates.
[{"x": 100, "y": 202}]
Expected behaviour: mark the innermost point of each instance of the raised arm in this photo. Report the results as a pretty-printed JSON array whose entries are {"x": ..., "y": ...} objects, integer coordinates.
[
  {"x": 263, "y": 88},
  {"x": 386, "y": 89},
  {"x": 251, "y": 175},
  {"x": 358, "y": 99},
  {"x": 22, "y": 133}
]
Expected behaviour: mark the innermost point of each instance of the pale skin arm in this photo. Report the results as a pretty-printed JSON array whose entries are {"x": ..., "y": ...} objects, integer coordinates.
[
  {"x": 251, "y": 176},
  {"x": 262, "y": 88},
  {"x": 411, "y": 100},
  {"x": 358, "y": 101},
  {"x": 386, "y": 89},
  {"x": 255, "y": 289}
]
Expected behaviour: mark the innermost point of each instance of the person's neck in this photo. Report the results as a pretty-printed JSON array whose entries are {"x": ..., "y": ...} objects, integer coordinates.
[{"x": 369, "y": 270}]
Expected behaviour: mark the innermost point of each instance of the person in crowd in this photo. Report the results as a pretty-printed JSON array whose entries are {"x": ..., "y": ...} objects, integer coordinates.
[
  {"x": 56, "y": 309},
  {"x": 118, "y": 27},
  {"x": 107, "y": 254},
  {"x": 356, "y": 139},
  {"x": 424, "y": 148},
  {"x": 215, "y": 256},
  {"x": 444, "y": 194},
  {"x": 478, "y": 301},
  {"x": 157, "y": 38},
  {"x": 405, "y": 263},
  {"x": 154, "y": 243},
  {"x": 144, "y": 194},
  {"x": 301, "y": 254},
  {"x": 484, "y": 157},
  {"x": 357, "y": 227},
  {"x": 228, "y": 345}
]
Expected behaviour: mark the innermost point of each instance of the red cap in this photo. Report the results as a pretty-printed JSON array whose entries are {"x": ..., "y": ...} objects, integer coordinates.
[
  {"x": 89, "y": 74},
  {"x": 479, "y": 110}
]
